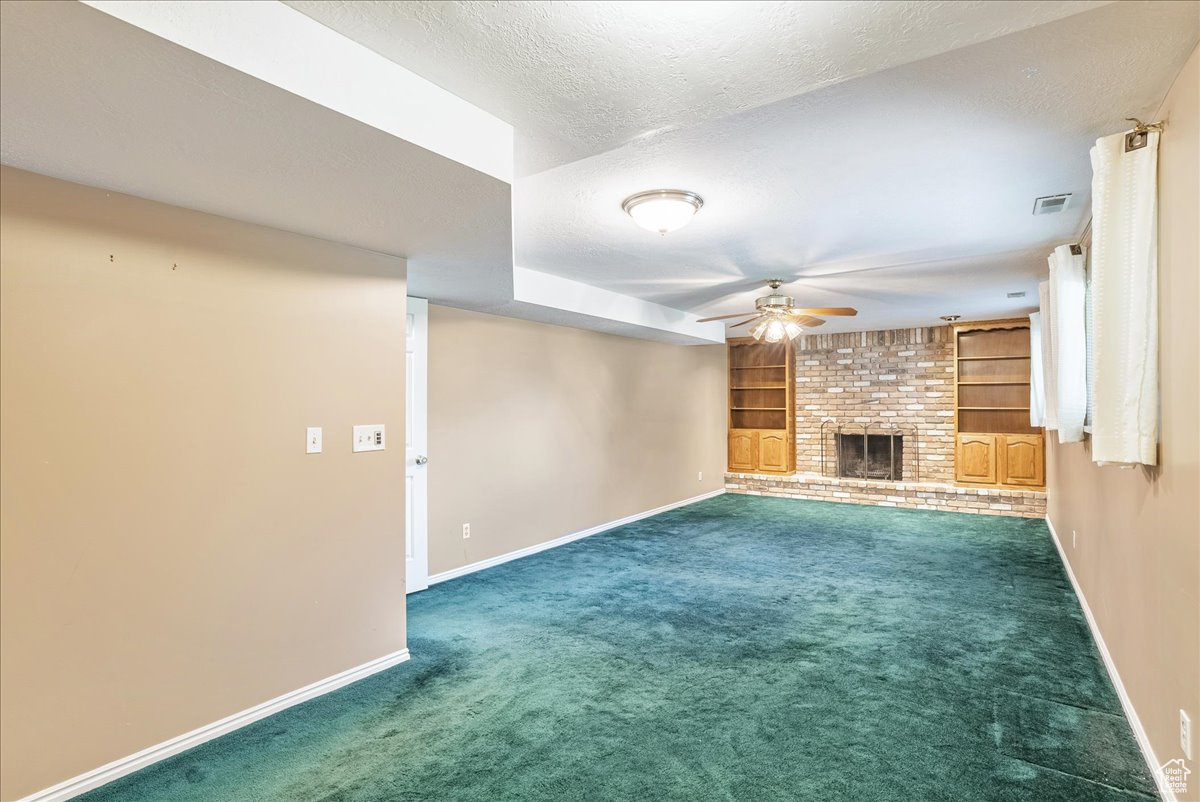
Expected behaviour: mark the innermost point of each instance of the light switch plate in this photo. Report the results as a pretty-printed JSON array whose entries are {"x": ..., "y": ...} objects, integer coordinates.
[
  {"x": 369, "y": 437},
  {"x": 313, "y": 440}
]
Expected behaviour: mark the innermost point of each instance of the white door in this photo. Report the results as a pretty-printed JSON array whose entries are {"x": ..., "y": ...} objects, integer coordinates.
[{"x": 416, "y": 540}]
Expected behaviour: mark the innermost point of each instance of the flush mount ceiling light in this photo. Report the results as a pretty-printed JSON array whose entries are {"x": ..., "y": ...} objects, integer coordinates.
[{"x": 662, "y": 210}]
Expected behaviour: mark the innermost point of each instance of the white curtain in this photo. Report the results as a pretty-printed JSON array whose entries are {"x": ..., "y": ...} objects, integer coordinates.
[
  {"x": 1068, "y": 287},
  {"x": 1037, "y": 389},
  {"x": 1049, "y": 392},
  {"x": 1125, "y": 301}
]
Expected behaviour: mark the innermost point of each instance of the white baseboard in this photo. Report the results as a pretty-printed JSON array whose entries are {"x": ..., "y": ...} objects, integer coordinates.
[
  {"x": 454, "y": 573},
  {"x": 127, "y": 765},
  {"x": 1139, "y": 732}
]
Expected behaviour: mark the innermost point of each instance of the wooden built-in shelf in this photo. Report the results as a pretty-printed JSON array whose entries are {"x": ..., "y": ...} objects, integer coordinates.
[
  {"x": 994, "y": 443},
  {"x": 977, "y": 358},
  {"x": 762, "y": 437},
  {"x": 983, "y": 409}
]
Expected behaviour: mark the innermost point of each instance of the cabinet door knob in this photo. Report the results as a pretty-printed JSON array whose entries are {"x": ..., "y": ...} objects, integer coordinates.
[{"x": 421, "y": 460}]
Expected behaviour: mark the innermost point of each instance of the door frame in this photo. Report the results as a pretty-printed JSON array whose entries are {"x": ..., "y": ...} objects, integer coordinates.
[{"x": 416, "y": 446}]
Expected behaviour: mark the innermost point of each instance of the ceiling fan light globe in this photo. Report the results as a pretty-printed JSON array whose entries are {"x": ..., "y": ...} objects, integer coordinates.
[{"x": 775, "y": 331}]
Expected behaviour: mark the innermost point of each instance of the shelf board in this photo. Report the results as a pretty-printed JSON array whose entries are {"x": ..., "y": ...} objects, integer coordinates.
[
  {"x": 986, "y": 383},
  {"x": 974, "y": 358},
  {"x": 762, "y": 387},
  {"x": 755, "y": 367},
  {"x": 991, "y": 409},
  {"x": 760, "y": 409},
  {"x": 756, "y": 429}
]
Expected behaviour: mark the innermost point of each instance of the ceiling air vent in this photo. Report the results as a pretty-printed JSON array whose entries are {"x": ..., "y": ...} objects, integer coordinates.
[{"x": 1051, "y": 204}]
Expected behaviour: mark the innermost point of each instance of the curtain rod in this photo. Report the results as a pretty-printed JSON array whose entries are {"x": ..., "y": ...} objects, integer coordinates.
[
  {"x": 1139, "y": 137},
  {"x": 1134, "y": 140},
  {"x": 1077, "y": 247}
]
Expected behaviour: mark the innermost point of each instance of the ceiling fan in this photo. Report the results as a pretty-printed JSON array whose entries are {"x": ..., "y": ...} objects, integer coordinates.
[{"x": 778, "y": 316}]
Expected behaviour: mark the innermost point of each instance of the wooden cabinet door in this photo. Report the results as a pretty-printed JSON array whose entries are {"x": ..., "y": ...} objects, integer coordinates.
[
  {"x": 773, "y": 451},
  {"x": 743, "y": 449},
  {"x": 1021, "y": 460},
  {"x": 975, "y": 458}
]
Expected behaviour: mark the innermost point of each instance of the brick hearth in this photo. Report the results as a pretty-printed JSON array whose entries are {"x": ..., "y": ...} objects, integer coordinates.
[{"x": 916, "y": 495}]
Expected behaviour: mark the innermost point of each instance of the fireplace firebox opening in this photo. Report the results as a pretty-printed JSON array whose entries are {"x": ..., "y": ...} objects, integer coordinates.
[{"x": 870, "y": 456}]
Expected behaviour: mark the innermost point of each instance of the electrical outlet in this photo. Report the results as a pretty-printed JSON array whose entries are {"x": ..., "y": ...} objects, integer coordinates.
[
  {"x": 1074, "y": 537},
  {"x": 466, "y": 531},
  {"x": 1185, "y": 734},
  {"x": 312, "y": 438},
  {"x": 700, "y": 476}
]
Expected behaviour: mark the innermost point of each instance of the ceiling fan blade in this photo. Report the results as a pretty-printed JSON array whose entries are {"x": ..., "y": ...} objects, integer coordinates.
[
  {"x": 833, "y": 311},
  {"x": 744, "y": 322},
  {"x": 810, "y": 321},
  {"x": 723, "y": 317}
]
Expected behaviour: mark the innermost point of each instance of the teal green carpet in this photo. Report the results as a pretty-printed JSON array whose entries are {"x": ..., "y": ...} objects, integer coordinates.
[{"x": 742, "y": 648}]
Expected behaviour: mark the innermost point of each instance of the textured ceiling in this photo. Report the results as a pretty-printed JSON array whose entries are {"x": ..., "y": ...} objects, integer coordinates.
[
  {"x": 90, "y": 97},
  {"x": 907, "y": 193},
  {"x": 882, "y": 155},
  {"x": 580, "y": 78},
  {"x": 878, "y": 155}
]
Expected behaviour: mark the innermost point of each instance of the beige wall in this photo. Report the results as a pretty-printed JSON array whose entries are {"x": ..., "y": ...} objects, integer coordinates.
[
  {"x": 1137, "y": 556},
  {"x": 170, "y": 553},
  {"x": 538, "y": 431}
]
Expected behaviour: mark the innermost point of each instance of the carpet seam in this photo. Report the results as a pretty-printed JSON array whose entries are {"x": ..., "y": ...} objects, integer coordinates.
[
  {"x": 1004, "y": 689},
  {"x": 1077, "y": 776}
]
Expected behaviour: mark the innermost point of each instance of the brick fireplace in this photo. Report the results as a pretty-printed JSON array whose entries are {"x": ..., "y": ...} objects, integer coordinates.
[
  {"x": 897, "y": 388},
  {"x": 900, "y": 380}
]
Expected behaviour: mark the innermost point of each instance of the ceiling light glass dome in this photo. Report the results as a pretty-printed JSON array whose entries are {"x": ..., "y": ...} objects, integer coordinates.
[{"x": 663, "y": 210}]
